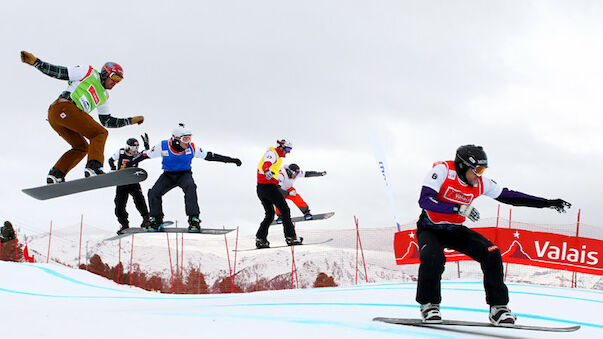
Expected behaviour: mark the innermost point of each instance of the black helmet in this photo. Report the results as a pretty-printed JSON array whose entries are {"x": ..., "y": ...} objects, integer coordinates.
[
  {"x": 132, "y": 145},
  {"x": 469, "y": 156},
  {"x": 292, "y": 169}
]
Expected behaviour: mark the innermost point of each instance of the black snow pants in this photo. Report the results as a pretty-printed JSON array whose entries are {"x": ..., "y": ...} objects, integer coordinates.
[
  {"x": 270, "y": 196},
  {"x": 165, "y": 183},
  {"x": 121, "y": 199},
  {"x": 432, "y": 242}
]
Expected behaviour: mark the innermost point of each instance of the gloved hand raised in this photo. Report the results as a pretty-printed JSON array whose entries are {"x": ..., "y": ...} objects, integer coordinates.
[
  {"x": 237, "y": 162},
  {"x": 559, "y": 205},
  {"x": 469, "y": 212},
  {"x": 28, "y": 58},
  {"x": 269, "y": 175},
  {"x": 323, "y": 173},
  {"x": 137, "y": 119},
  {"x": 145, "y": 141}
]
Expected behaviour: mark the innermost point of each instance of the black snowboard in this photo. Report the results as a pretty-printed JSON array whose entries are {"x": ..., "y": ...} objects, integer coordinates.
[
  {"x": 140, "y": 230},
  {"x": 419, "y": 322},
  {"x": 118, "y": 178},
  {"x": 314, "y": 217},
  {"x": 281, "y": 246}
]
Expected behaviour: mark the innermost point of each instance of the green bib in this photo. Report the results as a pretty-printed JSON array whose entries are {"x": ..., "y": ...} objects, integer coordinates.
[{"x": 90, "y": 93}]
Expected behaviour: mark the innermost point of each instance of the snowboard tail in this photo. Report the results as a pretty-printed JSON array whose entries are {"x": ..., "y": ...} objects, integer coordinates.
[
  {"x": 314, "y": 217},
  {"x": 281, "y": 246},
  {"x": 118, "y": 178},
  {"x": 419, "y": 322}
]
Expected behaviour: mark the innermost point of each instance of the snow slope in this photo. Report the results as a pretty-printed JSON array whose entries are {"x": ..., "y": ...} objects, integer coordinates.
[{"x": 53, "y": 301}]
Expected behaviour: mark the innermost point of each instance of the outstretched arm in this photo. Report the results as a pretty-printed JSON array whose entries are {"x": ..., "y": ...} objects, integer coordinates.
[
  {"x": 222, "y": 158},
  {"x": 308, "y": 174},
  {"x": 55, "y": 71},
  {"x": 109, "y": 121},
  {"x": 515, "y": 198}
]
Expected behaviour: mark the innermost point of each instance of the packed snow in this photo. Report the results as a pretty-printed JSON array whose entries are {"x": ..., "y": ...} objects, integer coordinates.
[{"x": 52, "y": 301}]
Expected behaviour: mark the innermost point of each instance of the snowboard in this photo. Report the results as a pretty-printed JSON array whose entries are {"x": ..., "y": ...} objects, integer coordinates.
[
  {"x": 140, "y": 230},
  {"x": 118, "y": 178},
  {"x": 281, "y": 246},
  {"x": 314, "y": 217},
  {"x": 419, "y": 322}
]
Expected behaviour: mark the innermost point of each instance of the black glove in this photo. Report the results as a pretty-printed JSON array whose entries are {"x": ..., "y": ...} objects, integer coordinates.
[
  {"x": 145, "y": 141},
  {"x": 129, "y": 164},
  {"x": 236, "y": 161},
  {"x": 559, "y": 205}
]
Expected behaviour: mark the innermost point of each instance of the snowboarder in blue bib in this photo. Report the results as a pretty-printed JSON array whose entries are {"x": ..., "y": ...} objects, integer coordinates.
[{"x": 177, "y": 154}]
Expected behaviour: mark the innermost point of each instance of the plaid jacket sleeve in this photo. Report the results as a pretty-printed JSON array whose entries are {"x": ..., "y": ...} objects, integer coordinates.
[{"x": 59, "y": 72}]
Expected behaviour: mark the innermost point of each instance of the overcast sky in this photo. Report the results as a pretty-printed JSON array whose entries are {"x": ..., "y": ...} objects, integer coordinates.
[{"x": 521, "y": 78}]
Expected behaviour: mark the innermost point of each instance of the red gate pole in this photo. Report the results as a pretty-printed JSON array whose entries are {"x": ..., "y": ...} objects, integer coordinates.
[
  {"x": 49, "y": 238},
  {"x": 507, "y": 264},
  {"x": 293, "y": 269},
  {"x": 171, "y": 267},
  {"x": 234, "y": 269},
  {"x": 177, "y": 261},
  {"x": 229, "y": 267},
  {"x": 181, "y": 261},
  {"x": 574, "y": 274},
  {"x": 79, "y": 257},
  {"x": 361, "y": 250},
  {"x": 497, "y": 217},
  {"x": 118, "y": 260},
  {"x": 356, "y": 283},
  {"x": 131, "y": 260}
]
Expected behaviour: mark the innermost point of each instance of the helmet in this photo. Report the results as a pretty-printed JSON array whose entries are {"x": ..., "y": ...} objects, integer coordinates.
[
  {"x": 469, "y": 156},
  {"x": 284, "y": 143},
  {"x": 132, "y": 145},
  {"x": 181, "y": 133},
  {"x": 292, "y": 169},
  {"x": 113, "y": 71}
]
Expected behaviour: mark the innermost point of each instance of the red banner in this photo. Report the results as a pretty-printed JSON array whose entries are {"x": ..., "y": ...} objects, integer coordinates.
[{"x": 523, "y": 247}]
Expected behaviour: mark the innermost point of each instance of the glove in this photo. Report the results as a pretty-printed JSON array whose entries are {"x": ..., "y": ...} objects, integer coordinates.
[
  {"x": 469, "y": 212},
  {"x": 559, "y": 205},
  {"x": 293, "y": 193},
  {"x": 28, "y": 58},
  {"x": 268, "y": 174},
  {"x": 137, "y": 119},
  {"x": 145, "y": 141},
  {"x": 323, "y": 173},
  {"x": 238, "y": 162}
]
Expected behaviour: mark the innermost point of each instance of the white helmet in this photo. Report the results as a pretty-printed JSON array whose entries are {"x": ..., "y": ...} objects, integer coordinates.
[
  {"x": 180, "y": 133},
  {"x": 284, "y": 143}
]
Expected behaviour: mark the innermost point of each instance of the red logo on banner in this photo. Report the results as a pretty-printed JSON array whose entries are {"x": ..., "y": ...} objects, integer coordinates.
[{"x": 520, "y": 247}]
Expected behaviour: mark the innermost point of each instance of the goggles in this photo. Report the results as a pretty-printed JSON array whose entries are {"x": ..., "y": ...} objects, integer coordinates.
[
  {"x": 185, "y": 139},
  {"x": 116, "y": 77},
  {"x": 132, "y": 148},
  {"x": 288, "y": 149},
  {"x": 479, "y": 170}
]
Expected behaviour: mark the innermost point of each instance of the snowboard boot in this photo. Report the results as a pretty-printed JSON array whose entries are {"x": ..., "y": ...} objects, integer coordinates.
[
  {"x": 146, "y": 221},
  {"x": 123, "y": 228},
  {"x": 294, "y": 241},
  {"x": 430, "y": 313},
  {"x": 156, "y": 224},
  {"x": 55, "y": 176},
  {"x": 93, "y": 167},
  {"x": 308, "y": 215},
  {"x": 500, "y": 315},
  {"x": 261, "y": 243},
  {"x": 279, "y": 219},
  {"x": 193, "y": 224}
]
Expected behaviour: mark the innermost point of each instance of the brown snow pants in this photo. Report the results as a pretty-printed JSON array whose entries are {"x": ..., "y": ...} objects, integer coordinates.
[{"x": 74, "y": 125}]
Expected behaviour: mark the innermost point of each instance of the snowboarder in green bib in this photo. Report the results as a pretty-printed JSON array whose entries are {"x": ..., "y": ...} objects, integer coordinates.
[{"x": 69, "y": 115}]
